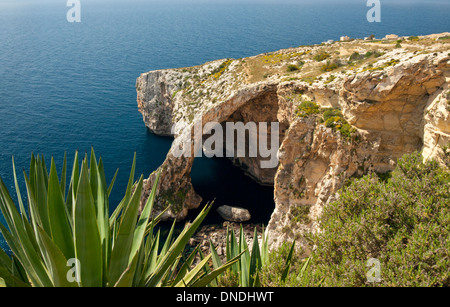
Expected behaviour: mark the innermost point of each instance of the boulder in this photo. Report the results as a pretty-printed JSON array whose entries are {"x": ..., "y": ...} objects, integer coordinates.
[{"x": 234, "y": 214}]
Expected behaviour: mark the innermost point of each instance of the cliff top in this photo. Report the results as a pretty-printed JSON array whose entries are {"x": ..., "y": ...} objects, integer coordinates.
[{"x": 193, "y": 90}]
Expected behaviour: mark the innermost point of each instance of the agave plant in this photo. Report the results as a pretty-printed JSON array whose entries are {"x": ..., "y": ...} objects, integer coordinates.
[
  {"x": 67, "y": 240},
  {"x": 250, "y": 263}
]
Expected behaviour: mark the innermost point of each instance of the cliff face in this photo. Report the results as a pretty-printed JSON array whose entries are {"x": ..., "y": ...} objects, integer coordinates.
[{"x": 343, "y": 109}]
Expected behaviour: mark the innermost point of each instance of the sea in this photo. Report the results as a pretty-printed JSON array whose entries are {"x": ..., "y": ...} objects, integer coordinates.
[{"x": 67, "y": 86}]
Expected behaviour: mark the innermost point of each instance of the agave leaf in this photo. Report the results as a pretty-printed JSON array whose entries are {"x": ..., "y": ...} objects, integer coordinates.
[
  {"x": 141, "y": 263},
  {"x": 152, "y": 259},
  {"x": 168, "y": 241},
  {"x": 111, "y": 185},
  {"x": 186, "y": 265},
  {"x": 7, "y": 272},
  {"x": 265, "y": 247},
  {"x": 94, "y": 180},
  {"x": 57, "y": 262},
  {"x": 73, "y": 187},
  {"x": 257, "y": 280},
  {"x": 58, "y": 219},
  {"x": 41, "y": 194},
  {"x": 19, "y": 196},
  {"x": 114, "y": 218},
  {"x": 32, "y": 181},
  {"x": 17, "y": 250},
  {"x": 206, "y": 280},
  {"x": 19, "y": 241},
  {"x": 141, "y": 227},
  {"x": 103, "y": 218},
  {"x": 245, "y": 259},
  {"x": 7, "y": 279},
  {"x": 255, "y": 260},
  {"x": 207, "y": 270},
  {"x": 176, "y": 248},
  {"x": 121, "y": 256},
  {"x": 217, "y": 262},
  {"x": 154, "y": 221},
  {"x": 191, "y": 274},
  {"x": 287, "y": 265},
  {"x": 169, "y": 273},
  {"x": 64, "y": 176},
  {"x": 88, "y": 247},
  {"x": 227, "y": 245},
  {"x": 127, "y": 277},
  {"x": 18, "y": 270},
  {"x": 44, "y": 169},
  {"x": 234, "y": 250},
  {"x": 128, "y": 192},
  {"x": 5, "y": 261},
  {"x": 32, "y": 207}
]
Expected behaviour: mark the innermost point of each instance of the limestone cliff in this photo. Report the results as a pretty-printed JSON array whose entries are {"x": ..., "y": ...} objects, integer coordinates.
[{"x": 344, "y": 109}]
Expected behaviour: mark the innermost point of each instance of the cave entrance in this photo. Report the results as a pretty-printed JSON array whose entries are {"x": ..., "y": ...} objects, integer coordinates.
[
  {"x": 219, "y": 180},
  {"x": 242, "y": 181}
]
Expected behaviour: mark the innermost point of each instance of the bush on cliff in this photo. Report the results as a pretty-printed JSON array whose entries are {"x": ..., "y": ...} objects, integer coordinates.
[
  {"x": 403, "y": 222},
  {"x": 292, "y": 67},
  {"x": 329, "y": 66},
  {"x": 322, "y": 56}
]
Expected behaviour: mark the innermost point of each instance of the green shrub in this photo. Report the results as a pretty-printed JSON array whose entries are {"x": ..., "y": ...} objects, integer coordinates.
[
  {"x": 391, "y": 62},
  {"x": 330, "y": 79},
  {"x": 333, "y": 118},
  {"x": 292, "y": 67},
  {"x": 276, "y": 274},
  {"x": 322, "y": 56},
  {"x": 356, "y": 57},
  {"x": 216, "y": 73},
  {"x": 377, "y": 54},
  {"x": 309, "y": 80},
  {"x": 307, "y": 108},
  {"x": 403, "y": 222},
  {"x": 329, "y": 66}
]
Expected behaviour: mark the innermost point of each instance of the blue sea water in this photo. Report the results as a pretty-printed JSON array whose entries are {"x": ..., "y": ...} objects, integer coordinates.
[{"x": 67, "y": 86}]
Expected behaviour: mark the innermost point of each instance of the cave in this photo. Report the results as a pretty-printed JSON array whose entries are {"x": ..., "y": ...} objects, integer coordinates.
[
  {"x": 219, "y": 180},
  {"x": 240, "y": 181}
]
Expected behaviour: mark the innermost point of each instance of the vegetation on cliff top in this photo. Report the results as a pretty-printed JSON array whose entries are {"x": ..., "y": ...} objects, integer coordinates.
[
  {"x": 331, "y": 117},
  {"x": 403, "y": 222}
]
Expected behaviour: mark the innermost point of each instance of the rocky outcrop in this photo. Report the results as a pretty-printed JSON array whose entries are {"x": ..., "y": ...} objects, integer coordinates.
[
  {"x": 234, "y": 214},
  {"x": 354, "y": 112}
]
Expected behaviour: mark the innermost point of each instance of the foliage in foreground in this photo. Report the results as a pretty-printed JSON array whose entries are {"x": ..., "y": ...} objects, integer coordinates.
[
  {"x": 59, "y": 231},
  {"x": 252, "y": 268},
  {"x": 278, "y": 274},
  {"x": 403, "y": 222}
]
